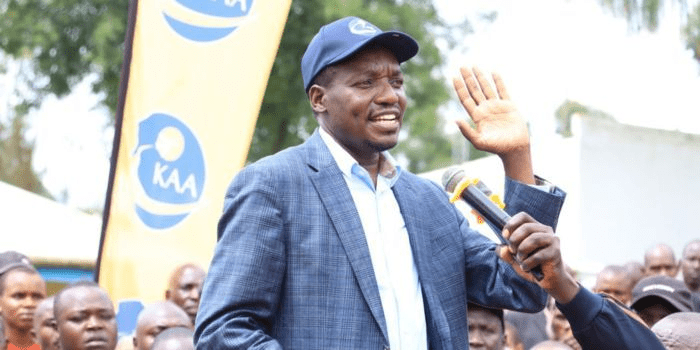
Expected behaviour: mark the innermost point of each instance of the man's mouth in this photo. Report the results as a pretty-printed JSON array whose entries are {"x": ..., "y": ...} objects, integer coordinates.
[{"x": 389, "y": 120}]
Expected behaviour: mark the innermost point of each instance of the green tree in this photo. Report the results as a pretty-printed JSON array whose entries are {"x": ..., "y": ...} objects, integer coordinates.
[
  {"x": 645, "y": 14},
  {"x": 66, "y": 40}
]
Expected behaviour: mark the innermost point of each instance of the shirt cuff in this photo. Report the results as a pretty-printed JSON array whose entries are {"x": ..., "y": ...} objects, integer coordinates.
[{"x": 581, "y": 310}]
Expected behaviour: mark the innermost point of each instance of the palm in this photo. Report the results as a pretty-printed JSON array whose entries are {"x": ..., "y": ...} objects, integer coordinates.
[{"x": 499, "y": 127}]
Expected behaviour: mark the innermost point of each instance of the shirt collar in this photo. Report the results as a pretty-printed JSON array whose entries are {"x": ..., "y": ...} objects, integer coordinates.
[{"x": 387, "y": 164}]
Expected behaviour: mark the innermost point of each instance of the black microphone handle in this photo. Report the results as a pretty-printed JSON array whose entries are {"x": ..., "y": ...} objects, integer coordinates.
[{"x": 493, "y": 215}]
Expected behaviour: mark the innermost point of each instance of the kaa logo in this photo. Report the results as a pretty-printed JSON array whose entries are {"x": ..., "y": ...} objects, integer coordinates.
[
  {"x": 205, "y": 20},
  {"x": 170, "y": 171}
]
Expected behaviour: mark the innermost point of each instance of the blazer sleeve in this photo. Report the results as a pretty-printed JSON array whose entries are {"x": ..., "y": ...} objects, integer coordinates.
[
  {"x": 600, "y": 324},
  {"x": 244, "y": 281},
  {"x": 493, "y": 282}
]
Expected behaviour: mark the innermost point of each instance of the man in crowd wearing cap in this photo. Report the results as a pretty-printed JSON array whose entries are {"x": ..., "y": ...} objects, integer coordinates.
[
  {"x": 656, "y": 297},
  {"x": 331, "y": 245},
  {"x": 85, "y": 317},
  {"x": 21, "y": 290},
  {"x": 660, "y": 260},
  {"x": 185, "y": 287}
]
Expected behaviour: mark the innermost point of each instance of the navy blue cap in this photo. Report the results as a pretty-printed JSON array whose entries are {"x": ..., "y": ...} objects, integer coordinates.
[{"x": 339, "y": 40}]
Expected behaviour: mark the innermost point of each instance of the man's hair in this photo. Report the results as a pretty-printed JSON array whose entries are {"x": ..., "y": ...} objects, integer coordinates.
[
  {"x": 496, "y": 312},
  {"x": 57, "y": 302},
  {"x": 661, "y": 247},
  {"x": 690, "y": 244},
  {"x": 23, "y": 268},
  {"x": 173, "y": 333}
]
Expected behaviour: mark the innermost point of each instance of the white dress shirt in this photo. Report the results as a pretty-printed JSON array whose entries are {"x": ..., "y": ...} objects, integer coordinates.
[{"x": 389, "y": 246}]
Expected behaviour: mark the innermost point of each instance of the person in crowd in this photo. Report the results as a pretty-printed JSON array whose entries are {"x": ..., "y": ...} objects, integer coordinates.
[
  {"x": 513, "y": 340},
  {"x": 85, "y": 317},
  {"x": 551, "y": 345},
  {"x": 185, "y": 287},
  {"x": 176, "y": 338},
  {"x": 679, "y": 331},
  {"x": 660, "y": 260},
  {"x": 635, "y": 271},
  {"x": 303, "y": 262},
  {"x": 486, "y": 328},
  {"x": 9, "y": 259},
  {"x": 532, "y": 327},
  {"x": 559, "y": 327},
  {"x": 156, "y": 318},
  {"x": 45, "y": 327},
  {"x": 21, "y": 290},
  {"x": 690, "y": 266},
  {"x": 614, "y": 280},
  {"x": 656, "y": 297}
]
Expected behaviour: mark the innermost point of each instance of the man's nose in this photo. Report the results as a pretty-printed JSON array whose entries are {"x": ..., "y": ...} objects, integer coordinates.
[{"x": 387, "y": 94}]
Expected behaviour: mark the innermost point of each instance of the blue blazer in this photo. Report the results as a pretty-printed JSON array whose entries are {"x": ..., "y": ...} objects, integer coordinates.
[{"x": 292, "y": 269}]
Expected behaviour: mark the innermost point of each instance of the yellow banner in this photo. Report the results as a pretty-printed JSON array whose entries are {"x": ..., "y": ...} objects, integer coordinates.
[{"x": 197, "y": 74}]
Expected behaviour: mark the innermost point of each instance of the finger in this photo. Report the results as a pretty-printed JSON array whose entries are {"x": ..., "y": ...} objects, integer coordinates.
[
  {"x": 506, "y": 255},
  {"x": 528, "y": 238},
  {"x": 485, "y": 84},
  {"x": 501, "y": 87},
  {"x": 464, "y": 96},
  {"x": 472, "y": 85},
  {"x": 516, "y": 221},
  {"x": 467, "y": 130}
]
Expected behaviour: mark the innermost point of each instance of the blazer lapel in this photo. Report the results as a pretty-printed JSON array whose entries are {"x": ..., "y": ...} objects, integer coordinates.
[
  {"x": 419, "y": 236},
  {"x": 337, "y": 200}
]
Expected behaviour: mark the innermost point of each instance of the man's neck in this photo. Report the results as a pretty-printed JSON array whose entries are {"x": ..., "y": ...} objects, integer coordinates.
[{"x": 18, "y": 337}]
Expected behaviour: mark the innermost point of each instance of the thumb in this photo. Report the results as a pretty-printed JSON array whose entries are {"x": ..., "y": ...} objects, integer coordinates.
[
  {"x": 467, "y": 130},
  {"x": 506, "y": 254}
]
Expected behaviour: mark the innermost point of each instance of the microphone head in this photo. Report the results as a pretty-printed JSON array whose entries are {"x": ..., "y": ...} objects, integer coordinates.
[{"x": 451, "y": 177}]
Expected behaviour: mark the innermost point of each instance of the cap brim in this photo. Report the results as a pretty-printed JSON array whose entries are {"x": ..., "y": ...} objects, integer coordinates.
[{"x": 643, "y": 299}]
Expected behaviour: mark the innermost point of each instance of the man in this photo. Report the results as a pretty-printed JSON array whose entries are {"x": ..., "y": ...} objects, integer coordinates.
[
  {"x": 21, "y": 290},
  {"x": 156, "y": 318},
  {"x": 177, "y": 338},
  {"x": 560, "y": 328},
  {"x": 614, "y": 280},
  {"x": 85, "y": 318},
  {"x": 690, "y": 266},
  {"x": 656, "y": 297},
  {"x": 185, "y": 287},
  {"x": 660, "y": 260},
  {"x": 486, "y": 328},
  {"x": 679, "y": 331},
  {"x": 330, "y": 245},
  {"x": 45, "y": 325},
  {"x": 8, "y": 260}
]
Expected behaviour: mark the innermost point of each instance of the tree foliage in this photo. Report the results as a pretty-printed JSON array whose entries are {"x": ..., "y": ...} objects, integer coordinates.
[
  {"x": 63, "y": 41},
  {"x": 567, "y": 110},
  {"x": 645, "y": 14}
]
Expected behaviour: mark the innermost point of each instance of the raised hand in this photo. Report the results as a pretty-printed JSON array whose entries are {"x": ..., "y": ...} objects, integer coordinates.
[{"x": 500, "y": 128}]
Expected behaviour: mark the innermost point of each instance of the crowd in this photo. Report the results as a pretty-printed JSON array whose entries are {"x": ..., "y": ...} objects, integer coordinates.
[{"x": 81, "y": 316}]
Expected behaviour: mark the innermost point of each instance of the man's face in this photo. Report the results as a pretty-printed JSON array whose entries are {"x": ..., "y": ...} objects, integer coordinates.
[
  {"x": 690, "y": 264},
  {"x": 86, "y": 320},
  {"x": 661, "y": 264},
  {"x": 186, "y": 291},
  {"x": 148, "y": 329},
  {"x": 485, "y": 331},
  {"x": 22, "y": 293},
  {"x": 615, "y": 285},
  {"x": 45, "y": 326},
  {"x": 363, "y": 106}
]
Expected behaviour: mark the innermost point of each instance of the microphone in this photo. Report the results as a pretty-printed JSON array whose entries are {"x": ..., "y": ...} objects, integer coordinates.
[{"x": 454, "y": 182}]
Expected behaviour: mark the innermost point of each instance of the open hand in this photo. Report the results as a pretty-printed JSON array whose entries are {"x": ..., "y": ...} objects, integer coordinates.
[{"x": 500, "y": 128}]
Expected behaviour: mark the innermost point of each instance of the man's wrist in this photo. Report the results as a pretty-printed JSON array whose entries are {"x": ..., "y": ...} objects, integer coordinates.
[
  {"x": 565, "y": 291},
  {"x": 518, "y": 165}
]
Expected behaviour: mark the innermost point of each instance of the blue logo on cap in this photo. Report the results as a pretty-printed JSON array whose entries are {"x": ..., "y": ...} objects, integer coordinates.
[
  {"x": 205, "y": 20},
  {"x": 170, "y": 171}
]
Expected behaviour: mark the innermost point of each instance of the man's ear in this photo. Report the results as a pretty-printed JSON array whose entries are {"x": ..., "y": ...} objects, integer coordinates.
[
  {"x": 316, "y": 94},
  {"x": 167, "y": 294}
]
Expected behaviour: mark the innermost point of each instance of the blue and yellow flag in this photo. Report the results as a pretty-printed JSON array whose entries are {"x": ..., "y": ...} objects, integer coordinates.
[{"x": 194, "y": 75}]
